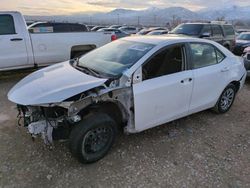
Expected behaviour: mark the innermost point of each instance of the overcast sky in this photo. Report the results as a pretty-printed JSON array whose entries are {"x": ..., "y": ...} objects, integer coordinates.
[{"x": 59, "y": 7}]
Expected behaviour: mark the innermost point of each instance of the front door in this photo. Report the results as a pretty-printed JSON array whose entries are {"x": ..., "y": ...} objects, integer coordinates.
[
  {"x": 165, "y": 92},
  {"x": 13, "y": 50}
]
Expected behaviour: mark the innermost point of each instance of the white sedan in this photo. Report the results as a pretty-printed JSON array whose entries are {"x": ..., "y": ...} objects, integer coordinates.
[{"x": 136, "y": 82}]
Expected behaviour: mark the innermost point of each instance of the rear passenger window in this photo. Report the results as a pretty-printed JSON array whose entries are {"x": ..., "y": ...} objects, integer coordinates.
[
  {"x": 217, "y": 30},
  {"x": 7, "y": 26},
  {"x": 204, "y": 55},
  {"x": 229, "y": 30},
  {"x": 206, "y": 29},
  {"x": 220, "y": 55}
]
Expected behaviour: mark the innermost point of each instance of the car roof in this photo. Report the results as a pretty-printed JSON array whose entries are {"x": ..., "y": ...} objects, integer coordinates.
[
  {"x": 200, "y": 23},
  {"x": 157, "y": 40},
  {"x": 162, "y": 30},
  {"x": 248, "y": 33}
]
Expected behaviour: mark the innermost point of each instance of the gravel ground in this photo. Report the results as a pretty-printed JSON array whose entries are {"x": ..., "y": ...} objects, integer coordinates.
[{"x": 202, "y": 150}]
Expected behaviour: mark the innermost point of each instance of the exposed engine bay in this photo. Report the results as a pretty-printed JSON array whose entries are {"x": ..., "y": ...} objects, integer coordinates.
[{"x": 55, "y": 121}]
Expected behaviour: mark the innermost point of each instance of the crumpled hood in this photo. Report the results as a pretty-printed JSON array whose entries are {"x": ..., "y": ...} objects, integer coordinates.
[{"x": 52, "y": 85}]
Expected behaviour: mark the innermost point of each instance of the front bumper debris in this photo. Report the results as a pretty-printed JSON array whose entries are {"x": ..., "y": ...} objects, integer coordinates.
[
  {"x": 44, "y": 128},
  {"x": 37, "y": 122}
]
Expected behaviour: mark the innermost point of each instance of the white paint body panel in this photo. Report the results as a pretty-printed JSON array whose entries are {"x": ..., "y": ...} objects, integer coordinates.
[
  {"x": 56, "y": 47},
  {"x": 162, "y": 99},
  {"x": 209, "y": 82},
  {"x": 52, "y": 85},
  {"x": 42, "y": 48},
  {"x": 156, "y": 101}
]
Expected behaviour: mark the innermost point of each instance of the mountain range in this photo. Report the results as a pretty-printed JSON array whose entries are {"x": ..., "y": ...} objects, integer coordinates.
[{"x": 153, "y": 16}]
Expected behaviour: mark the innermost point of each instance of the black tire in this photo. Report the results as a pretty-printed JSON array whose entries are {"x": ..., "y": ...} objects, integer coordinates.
[
  {"x": 91, "y": 139},
  {"x": 223, "y": 105}
]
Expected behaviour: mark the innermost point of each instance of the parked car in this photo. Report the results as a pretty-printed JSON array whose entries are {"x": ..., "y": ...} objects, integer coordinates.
[
  {"x": 242, "y": 41},
  {"x": 246, "y": 58},
  {"x": 21, "y": 49},
  {"x": 136, "y": 83},
  {"x": 56, "y": 27},
  {"x": 158, "y": 32},
  {"x": 242, "y": 30},
  {"x": 221, "y": 33},
  {"x": 119, "y": 33},
  {"x": 115, "y": 26},
  {"x": 129, "y": 29},
  {"x": 148, "y": 30},
  {"x": 96, "y": 28},
  {"x": 90, "y": 27}
]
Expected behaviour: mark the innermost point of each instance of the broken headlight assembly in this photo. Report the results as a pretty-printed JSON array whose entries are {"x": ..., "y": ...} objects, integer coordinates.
[{"x": 51, "y": 123}]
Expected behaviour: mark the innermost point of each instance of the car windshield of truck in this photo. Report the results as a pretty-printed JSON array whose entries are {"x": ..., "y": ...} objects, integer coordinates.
[
  {"x": 114, "y": 58},
  {"x": 188, "y": 29},
  {"x": 244, "y": 36}
]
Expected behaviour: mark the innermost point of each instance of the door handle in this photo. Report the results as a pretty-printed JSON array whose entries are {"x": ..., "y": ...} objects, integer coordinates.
[
  {"x": 16, "y": 39},
  {"x": 187, "y": 79},
  {"x": 225, "y": 69}
]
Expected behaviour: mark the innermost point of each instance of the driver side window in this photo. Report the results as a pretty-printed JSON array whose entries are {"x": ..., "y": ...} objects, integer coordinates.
[{"x": 168, "y": 61}]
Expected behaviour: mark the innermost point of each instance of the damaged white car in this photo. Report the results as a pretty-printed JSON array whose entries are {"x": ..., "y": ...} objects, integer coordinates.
[{"x": 135, "y": 83}]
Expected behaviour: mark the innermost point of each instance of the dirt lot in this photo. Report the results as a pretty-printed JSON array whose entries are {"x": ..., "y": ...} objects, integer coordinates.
[{"x": 202, "y": 150}]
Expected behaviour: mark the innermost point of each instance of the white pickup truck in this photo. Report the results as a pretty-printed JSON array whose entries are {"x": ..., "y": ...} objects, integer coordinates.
[{"x": 21, "y": 49}]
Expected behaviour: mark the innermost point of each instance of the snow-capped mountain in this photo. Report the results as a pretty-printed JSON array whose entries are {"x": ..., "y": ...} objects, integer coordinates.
[
  {"x": 228, "y": 12},
  {"x": 156, "y": 16}
]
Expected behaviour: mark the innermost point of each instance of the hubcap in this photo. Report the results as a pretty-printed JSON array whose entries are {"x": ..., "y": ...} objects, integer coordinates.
[
  {"x": 96, "y": 139},
  {"x": 227, "y": 99}
]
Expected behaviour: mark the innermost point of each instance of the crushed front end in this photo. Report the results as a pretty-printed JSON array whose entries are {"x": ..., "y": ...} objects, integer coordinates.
[{"x": 49, "y": 122}]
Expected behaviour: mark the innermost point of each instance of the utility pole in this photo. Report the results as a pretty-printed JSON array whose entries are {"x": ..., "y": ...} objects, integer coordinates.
[
  {"x": 155, "y": 19},
  {"x": 90, "y": 20},
  {"x": 118, "y": 19},
  {"x": 138, "y": 21}
]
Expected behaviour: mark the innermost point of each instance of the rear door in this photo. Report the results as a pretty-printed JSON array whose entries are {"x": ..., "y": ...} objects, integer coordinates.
[
  {"x": 165, "y": 92},
  {"x": 13, "y": 50},
  {"x": 210, "y": 69}
]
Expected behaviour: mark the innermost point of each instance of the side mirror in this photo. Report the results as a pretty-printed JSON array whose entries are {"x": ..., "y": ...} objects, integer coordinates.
[{"x": 204, "y": 35}]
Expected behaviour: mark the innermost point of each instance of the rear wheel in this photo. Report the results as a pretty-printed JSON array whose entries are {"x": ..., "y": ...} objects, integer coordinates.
[
  {"x": 93, "y": 137},
  {"x": 226, "y": 99}
]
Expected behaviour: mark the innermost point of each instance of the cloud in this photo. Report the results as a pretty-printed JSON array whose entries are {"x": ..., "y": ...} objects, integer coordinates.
[{"x": 57, "y": 7}]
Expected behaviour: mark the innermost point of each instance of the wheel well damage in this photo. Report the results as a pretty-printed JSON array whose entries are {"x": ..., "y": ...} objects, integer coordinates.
[{"x": 117, "y": 103}]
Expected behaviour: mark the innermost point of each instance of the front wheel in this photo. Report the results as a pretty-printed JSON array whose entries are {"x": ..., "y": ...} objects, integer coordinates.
[
  {"x": 93, "y": 137},
  {"x": 226, "y": 99}
]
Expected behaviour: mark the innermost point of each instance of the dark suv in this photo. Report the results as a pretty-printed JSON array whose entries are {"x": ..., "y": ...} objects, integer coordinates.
[{"x": 221, "y": 33}]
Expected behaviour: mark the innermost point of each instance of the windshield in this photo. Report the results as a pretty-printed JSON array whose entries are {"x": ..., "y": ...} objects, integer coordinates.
[
  {"x": 114, "y": 58},
  {"x": 244, "y": 36},
  {"x": 188, "y": 29}
]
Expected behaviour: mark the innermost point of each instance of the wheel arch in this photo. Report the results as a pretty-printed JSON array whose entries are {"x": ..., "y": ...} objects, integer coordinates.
[
  {"x": 236, "y": 84},
  {"x": 114, "y": 109}
]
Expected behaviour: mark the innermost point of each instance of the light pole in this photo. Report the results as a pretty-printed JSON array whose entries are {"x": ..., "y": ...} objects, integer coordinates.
[{"x": 118, "y": 19}]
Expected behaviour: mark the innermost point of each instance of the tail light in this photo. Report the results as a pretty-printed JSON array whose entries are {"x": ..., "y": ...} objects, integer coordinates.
[{"x": 113, "y": 37}]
